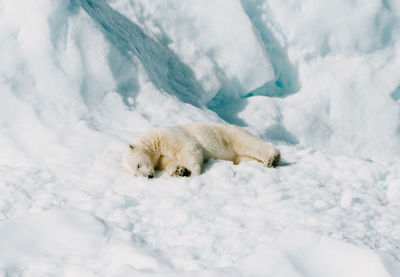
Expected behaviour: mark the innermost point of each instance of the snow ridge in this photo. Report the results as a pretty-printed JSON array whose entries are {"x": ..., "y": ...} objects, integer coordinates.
[{"x": 164, "y": 68}]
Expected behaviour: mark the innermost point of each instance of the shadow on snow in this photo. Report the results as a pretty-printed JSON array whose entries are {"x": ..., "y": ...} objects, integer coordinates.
[{"x": 164, "y": 68}]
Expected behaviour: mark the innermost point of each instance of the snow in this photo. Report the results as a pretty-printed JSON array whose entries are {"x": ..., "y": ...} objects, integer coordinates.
[
  {"x": 199, "y": 33},
  {"x": 59, "y": 234},
  {"x": 79, "y": 79},
  {"x": 306, "y": 254}
]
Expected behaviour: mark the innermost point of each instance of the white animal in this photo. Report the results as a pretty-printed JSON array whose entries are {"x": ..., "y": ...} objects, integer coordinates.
[{"x": 182, "y": 150}]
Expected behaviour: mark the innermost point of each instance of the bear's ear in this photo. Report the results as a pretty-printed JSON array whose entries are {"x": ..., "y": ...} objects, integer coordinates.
[{"x": 131, "y": 146}]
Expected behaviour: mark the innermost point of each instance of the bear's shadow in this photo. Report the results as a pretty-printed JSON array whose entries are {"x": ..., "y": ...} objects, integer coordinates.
[{"x": 209, "y": 164}]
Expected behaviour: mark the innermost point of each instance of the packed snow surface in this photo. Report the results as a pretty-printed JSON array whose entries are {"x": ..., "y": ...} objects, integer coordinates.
[{"x": 319, "y": 79}]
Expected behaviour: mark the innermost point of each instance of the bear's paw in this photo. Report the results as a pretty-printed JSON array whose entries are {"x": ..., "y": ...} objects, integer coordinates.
[
  {"x": 274, "y": 159},
  {"x": 181, "y": 171}
]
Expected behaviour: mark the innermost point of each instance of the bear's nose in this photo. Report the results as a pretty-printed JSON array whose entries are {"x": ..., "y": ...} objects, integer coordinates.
[{"x": 150, "y": 176}]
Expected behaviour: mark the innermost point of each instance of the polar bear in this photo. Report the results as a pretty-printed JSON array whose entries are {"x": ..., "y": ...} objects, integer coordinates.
[{"x": 182, "y": 150}]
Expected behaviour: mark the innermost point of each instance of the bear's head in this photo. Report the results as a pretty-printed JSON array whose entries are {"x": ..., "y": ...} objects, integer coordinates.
[{"x": 138, "y": 162}]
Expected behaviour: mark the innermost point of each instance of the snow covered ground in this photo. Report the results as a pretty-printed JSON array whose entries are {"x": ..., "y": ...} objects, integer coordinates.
[{"x": 319, "y": 79}]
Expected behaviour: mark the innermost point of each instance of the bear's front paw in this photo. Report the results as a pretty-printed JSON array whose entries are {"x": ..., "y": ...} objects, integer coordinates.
[
  {"x": 181, "y": 171},
  {"x": 274, "y": 159}
]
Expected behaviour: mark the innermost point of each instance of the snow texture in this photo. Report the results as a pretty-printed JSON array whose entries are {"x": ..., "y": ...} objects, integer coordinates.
[{"x": 320, "y": 80}]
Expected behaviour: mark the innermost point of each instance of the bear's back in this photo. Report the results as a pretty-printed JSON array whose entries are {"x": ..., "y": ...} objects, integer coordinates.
[{"x": 214, "y": 138}]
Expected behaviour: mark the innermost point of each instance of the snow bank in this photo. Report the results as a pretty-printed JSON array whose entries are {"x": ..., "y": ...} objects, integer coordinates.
[
  {"x": 334, "y": 65},
  {"x": 215, "y": 38},
  {"x": 331, "y": 80},
  {"x": 346, "y": 56}
]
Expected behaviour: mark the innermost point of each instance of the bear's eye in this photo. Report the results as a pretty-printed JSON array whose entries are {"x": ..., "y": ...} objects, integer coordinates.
[{"x": 138, "y": 166}]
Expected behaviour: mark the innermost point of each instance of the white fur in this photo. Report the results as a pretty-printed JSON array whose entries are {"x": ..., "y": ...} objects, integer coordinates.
[{"x": 182, "y": 150}]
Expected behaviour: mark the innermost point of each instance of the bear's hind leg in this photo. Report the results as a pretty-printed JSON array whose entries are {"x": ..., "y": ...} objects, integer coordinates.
[
  {"x": 274, "y": 159},
  {"x": 267, "y": 155},
  {"x": 239, "y": 159},
  {"x": 249, "y": 147}
]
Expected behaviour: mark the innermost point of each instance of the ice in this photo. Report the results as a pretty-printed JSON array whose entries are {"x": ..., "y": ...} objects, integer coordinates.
[{"x": 80, "y": 79}]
